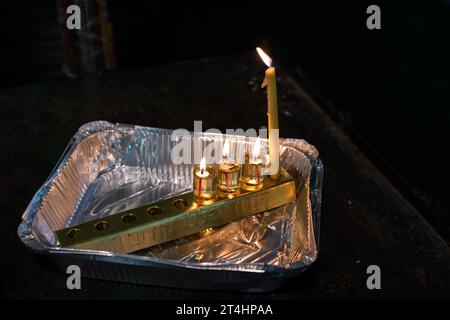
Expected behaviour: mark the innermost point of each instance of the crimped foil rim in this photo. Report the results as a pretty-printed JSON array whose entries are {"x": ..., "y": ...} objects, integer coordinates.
[{"x": 25, "y": 230}]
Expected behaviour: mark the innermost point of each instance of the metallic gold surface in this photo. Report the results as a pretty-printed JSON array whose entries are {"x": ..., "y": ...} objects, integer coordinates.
[
  {"x": 247, "y": 240},
  {"x": 173, "y": 218}
]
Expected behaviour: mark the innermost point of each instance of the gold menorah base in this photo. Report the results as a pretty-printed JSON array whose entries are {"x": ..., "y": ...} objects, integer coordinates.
[{"x": 174, "y": 218}]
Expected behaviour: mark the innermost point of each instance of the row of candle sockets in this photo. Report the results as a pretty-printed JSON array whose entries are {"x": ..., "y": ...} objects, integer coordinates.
[{"x": 226, "y": 178}]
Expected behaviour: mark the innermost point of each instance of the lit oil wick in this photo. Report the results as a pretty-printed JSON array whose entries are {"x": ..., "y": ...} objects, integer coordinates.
[
  {"x": 205, "y": 182},
  {"x": 226, "y": 149},
  {"x": 203, "y": 167}
]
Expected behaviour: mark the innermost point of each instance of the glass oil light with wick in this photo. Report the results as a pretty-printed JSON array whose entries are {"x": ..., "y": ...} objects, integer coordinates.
[
  {"x": 229, "y": 174},
  {"x": 252, "y": 170},
  {"x": 205, "y": 183}
]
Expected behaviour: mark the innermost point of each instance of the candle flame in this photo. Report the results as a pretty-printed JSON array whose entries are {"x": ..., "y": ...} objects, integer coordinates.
[
  {"x": 256, "y": 149},
  {"x": 203, "y": 164},
  {"x": 267, "y": 60},
  {"x": 226, "y": 149}
]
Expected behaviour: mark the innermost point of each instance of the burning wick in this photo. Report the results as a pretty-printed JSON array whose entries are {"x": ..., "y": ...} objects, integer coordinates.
[
  {"x": 205, "y": 182},
  {"x": 264, "y": 57},
  {"x": 229, "y": 174},
  {"x": 203, "y": 167},
  {"x": 226, "y": 149},
  {"x": 253, "y": 170}
]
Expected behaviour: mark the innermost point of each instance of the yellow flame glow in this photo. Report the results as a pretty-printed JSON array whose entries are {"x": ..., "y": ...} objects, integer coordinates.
[
  {"x": 256, "y": 149},
  {"x": 226, "y": 149},
  {"x": 203, "y": 164},
  {"x": 267, "y": 60}
]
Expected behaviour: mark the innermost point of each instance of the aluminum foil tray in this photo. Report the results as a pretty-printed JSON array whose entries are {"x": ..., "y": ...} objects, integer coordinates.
[{"x": 107, "y": 168}]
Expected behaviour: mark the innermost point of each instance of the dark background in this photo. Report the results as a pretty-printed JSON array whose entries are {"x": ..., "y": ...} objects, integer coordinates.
[{"x": 388, "y": 88}]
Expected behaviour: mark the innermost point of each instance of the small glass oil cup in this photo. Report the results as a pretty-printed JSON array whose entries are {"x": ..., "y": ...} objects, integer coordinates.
[
  {"x": 229, "y": 174},
  {"x": 252, "y": 175},
  {"x": 253, "y": 170},
  {"x": 205, "y": 184}
]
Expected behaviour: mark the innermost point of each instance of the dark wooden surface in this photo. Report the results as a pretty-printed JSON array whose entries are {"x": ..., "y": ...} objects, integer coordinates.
[{"x": 365, "y": 220}]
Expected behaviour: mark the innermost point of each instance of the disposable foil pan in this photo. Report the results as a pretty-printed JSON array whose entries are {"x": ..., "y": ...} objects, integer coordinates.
[{"x": 108, "y": 168}]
